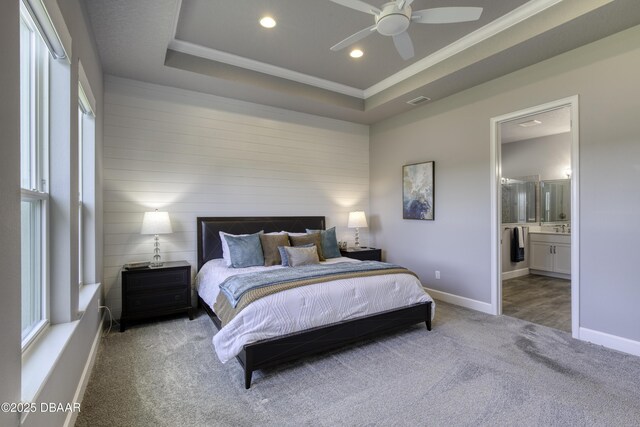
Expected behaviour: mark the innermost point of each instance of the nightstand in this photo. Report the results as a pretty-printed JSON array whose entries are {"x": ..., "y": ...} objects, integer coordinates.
[
  {"x": 363, "y": 254},
  {"x": 152, "y": 292}
]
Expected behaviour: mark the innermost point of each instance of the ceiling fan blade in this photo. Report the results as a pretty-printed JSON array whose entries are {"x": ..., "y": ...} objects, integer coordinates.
[
  {"x": 446, "y": 15},
  {"x": 404, "y": 45},
  {"x": 354, "y": 38},
  {"x": 358, "y": 5},
  {"x": 401, "y": 4}
]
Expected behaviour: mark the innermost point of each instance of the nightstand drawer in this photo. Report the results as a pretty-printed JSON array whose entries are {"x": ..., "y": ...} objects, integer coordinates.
[
  {"x": 157, "y": 301},
  {"x": 157, "y": 281}
]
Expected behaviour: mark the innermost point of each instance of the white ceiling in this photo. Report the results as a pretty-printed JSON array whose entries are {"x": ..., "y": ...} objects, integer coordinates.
[{"x": 217, "y": 47}]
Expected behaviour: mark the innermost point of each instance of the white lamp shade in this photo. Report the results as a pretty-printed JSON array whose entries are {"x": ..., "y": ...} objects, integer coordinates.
[
  {"x": 357, "y": 220},
  {"x": 156, "y": 223}
]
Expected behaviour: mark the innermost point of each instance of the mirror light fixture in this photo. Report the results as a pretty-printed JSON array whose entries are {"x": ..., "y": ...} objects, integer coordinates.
[
  {"x": 156, "y": 223},
  {"x": 357, "y": 220}
]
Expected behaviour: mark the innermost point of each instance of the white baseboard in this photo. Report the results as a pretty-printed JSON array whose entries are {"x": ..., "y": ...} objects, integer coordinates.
[
  {"x": 86, "y": 374},
  {"x": 550, "y": 274},
  {"x": 461, "y": 301},
  {"x": 515, "y": 273},
  {"x": 611, "y": 341}
]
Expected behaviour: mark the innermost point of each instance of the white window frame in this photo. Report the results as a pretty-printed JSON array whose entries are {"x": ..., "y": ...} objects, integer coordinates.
[
  {"x": 84, "y": 111},
  {"x": 36, "y": 189}
]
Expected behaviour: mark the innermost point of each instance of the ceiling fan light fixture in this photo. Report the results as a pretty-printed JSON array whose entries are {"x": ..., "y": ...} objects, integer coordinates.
[
  {"x": 393, "y": 21},
  {"x": 267, "y": 22},
  {"x": 356, "y": 53}
]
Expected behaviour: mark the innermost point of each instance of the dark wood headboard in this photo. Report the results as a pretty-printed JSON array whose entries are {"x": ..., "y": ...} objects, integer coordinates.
[{"x": 209, "y": 246}]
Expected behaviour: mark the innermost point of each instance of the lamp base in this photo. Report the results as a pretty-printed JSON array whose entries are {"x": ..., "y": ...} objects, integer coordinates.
[{"x": 157, "y": 260}]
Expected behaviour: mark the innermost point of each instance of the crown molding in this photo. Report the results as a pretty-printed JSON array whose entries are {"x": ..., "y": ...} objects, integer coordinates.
[
  {"x": 512, "y": 18},
  {"x": 261, "y": 67}
]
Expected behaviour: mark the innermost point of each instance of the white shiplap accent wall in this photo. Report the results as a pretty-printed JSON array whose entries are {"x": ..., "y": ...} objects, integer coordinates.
[{"x": 194, "y": 154}]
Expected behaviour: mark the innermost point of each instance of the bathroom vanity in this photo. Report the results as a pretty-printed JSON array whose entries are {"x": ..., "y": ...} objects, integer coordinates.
[{"x": 550, "y": 254}]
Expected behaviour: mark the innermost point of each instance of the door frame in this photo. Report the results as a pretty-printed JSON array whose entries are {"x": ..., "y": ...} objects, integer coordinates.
[{"x": 496, "y": 220}]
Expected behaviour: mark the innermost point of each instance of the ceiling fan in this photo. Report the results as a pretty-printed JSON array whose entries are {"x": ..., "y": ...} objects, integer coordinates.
[{"x": 394, "y": 19}]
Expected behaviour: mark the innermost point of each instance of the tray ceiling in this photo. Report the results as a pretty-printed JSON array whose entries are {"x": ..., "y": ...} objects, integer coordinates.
[{"x": 218, "y": 47}]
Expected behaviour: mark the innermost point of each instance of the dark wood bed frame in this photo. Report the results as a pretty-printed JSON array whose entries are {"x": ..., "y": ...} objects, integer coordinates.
[{"x": 275, "y": 351}]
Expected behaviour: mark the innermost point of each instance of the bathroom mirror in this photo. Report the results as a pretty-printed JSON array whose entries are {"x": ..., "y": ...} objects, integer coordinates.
[
  {"x": 518, "y": 201},
  {"x": 555, "y": 200}
]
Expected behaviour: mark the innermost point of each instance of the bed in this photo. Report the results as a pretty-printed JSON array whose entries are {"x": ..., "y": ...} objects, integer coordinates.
[{"x": 280, "y": 347}]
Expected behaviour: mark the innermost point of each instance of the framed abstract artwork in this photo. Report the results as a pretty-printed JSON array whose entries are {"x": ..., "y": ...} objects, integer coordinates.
[{"x": 417, "y": 191}]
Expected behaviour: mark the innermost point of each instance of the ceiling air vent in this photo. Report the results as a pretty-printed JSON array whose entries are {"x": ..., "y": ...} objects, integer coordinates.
[{"x": 419, "y": 100}]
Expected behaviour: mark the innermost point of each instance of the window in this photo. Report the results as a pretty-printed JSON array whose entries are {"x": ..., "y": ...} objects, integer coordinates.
[
  {"x": 85, "y": 136},
  {"x": 34, "y": 89}
]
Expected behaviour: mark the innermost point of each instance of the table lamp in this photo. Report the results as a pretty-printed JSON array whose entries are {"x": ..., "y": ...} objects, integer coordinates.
[
  {"x": 156, "y": 223},
  {"x": 357, "y": 219}
]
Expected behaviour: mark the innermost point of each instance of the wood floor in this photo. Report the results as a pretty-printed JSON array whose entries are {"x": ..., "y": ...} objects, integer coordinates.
[{"x": 538, "y": 299}]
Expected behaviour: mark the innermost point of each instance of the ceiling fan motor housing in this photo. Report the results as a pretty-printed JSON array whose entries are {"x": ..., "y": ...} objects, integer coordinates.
[{"x": 393, "y": 21}]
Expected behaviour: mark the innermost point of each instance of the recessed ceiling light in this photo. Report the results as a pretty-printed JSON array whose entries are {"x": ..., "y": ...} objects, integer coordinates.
[
  {"x": 530, "y": 123},
  {"x": 267, "y": 22},
  {"x": 356, "y": 53}
]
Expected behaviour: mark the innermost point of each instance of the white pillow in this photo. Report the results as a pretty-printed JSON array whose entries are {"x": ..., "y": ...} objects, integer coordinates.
[{"x": 225, "y": 246}]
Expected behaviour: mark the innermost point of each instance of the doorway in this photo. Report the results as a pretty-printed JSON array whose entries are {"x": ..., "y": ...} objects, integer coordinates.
[{"x": 534, "y": 172}]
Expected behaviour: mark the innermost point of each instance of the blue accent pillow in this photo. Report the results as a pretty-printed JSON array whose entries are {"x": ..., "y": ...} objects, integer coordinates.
[
  {"x": 329, "y": 242},
  {"x": 245, "y": 251}
]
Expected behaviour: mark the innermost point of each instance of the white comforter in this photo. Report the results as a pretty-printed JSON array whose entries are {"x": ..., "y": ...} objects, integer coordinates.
[{"x": 304, "y": 307}]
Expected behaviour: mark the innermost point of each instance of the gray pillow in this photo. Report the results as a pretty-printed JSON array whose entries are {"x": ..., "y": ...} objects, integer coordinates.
[
  {"x": 245, "y": 251},
  {"x": 329, "y": 242},
  {"x": 302, "y": 256},
  {"x": 313, "y": 238},
  {"x": 270, "y": 244},
  {"x": 283, "y": 253}
]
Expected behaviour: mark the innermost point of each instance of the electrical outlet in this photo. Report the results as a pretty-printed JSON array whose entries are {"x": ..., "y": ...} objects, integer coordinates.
[{"x": 437, "y": 274}]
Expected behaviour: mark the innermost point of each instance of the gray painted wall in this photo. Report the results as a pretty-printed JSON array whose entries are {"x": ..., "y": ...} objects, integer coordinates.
[
  {"x": 455, "y": 133},
  {"x": 10, "y": 353},
  {"x": 548, "y": 156}
]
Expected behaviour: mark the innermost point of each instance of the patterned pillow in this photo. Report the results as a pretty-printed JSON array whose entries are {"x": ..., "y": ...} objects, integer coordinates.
[
  {"x": 329, "y": 242},
  {"x": 270, "y": 244},
  {"x": 306, "y": 239},
  {"x": 302, "y": 256},
  {"x": 245, "y": 251}
]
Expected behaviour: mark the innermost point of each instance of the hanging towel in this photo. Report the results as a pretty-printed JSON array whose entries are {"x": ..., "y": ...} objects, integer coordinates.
[
  {"x": 520, "y": 237},
  {"x": 517, "y": 245}
]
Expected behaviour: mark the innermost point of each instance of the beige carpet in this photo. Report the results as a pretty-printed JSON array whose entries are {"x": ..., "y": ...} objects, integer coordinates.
[{"x": 472, "y": 369}]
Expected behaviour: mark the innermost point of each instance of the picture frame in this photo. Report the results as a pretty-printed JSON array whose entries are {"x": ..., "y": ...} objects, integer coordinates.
[{"x": 418, "y": 186}]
